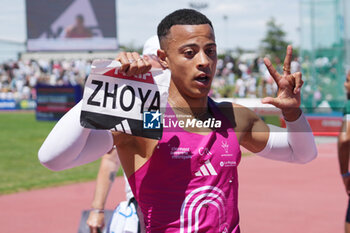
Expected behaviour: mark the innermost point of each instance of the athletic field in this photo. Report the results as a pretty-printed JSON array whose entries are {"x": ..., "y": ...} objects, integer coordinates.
[{"x": 20, "y": 139}]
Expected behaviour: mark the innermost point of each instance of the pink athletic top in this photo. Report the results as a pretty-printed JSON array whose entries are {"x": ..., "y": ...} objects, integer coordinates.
[{"x": 190, "y": 183}]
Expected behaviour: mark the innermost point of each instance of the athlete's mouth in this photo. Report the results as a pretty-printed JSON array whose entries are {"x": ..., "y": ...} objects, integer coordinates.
[{"x": 202, "y": 78}]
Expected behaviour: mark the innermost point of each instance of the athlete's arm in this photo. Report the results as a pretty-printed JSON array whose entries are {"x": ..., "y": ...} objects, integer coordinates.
[
  {"x": 105, "y": 177},
  {"x": 69, "y": 144},
  {"x": 297, "y": 143},
  {"x": 293, "y": 144}
]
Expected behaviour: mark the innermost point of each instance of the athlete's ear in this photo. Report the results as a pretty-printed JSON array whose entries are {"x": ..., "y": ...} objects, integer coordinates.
[{"x": 162, "y": 58}]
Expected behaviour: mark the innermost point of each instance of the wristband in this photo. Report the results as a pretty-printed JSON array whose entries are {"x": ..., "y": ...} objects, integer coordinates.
[
  {"x": 345, "y": 174},
  {"x": 97, "y": 210}
]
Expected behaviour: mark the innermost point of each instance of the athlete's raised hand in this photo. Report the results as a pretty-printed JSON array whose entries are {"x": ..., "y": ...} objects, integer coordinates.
[
  {"x": 288, "y": 95},
  {"x": 133, "y": 63}
]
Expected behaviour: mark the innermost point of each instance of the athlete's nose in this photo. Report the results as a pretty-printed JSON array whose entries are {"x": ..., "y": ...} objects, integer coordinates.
[{"x": 202, "y": 60}]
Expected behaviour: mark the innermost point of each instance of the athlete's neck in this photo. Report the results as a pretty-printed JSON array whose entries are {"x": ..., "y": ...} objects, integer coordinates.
[{"x": 193, "y": 106}]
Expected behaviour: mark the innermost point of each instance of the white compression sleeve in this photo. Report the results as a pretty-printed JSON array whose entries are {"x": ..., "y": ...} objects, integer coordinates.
[
  {"x": 295, "y": 145},
  {"x": 69, "y": 144}
]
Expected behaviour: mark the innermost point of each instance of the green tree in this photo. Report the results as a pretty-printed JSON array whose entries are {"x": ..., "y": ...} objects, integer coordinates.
[{"x": 274, "y": 43}]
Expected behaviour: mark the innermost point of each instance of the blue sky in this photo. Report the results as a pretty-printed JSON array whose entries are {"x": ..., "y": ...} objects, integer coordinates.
[{"x": 138, "y": 19}]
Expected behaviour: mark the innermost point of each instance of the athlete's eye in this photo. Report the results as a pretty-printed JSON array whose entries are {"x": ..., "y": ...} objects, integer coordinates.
[
  {"x": 189, "y": 53},
  {"x": 211, "y": 52}
]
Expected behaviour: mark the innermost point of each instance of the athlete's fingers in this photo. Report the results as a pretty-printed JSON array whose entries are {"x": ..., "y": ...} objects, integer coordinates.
[
  {"x": 275, "y": 75},
  {"x": 133, "y": 64},
  {"x": 137, "y": 66},
  {"x": 135, "y": 56},
  {"x": 291, "y": 81},
  {"x": 124, "y": 60},
  {"x": 270, "y": 100},
  {"x": 141, "y": 66},
  {"x": 298, "y": 82},
  {"x": 287, "y": 60},
  {"x": 146, "y": 66}
]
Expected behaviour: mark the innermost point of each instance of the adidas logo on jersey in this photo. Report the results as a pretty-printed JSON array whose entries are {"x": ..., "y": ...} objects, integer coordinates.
[{"x": 206, "y": 169}]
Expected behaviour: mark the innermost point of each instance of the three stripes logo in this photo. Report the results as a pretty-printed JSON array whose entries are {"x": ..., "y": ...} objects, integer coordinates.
[
  {"x": 206, "y": 169},
  {"x": 123, "y": 127}
]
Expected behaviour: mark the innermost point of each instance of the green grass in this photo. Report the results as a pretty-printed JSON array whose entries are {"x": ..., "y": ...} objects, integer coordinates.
[
  {"x": 20, "y": 139},
  {"x": 272, "y": 119}
]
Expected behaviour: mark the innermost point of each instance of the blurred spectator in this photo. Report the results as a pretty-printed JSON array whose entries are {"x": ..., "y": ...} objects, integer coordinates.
[
  {"x": 78, "y": 29},
  {"x": 234, "y": 77},
  {"x": 295, "y": 66},
  {"x": 18, "y": 78}
]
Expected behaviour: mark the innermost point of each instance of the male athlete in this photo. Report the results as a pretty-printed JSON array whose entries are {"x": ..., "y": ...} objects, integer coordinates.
[
  {"x": 187, "y": 181},
  {"x": 344, "y": 149}
]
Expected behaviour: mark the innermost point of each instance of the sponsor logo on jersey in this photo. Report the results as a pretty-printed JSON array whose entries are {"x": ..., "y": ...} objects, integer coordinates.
[
  {"x": 225, "y": 145},
  {"x": 206, "y": 169},
  {"x": 228, "y": 163},
  {"x": 195, "y": 201},
  {"x": 204, "y": 151},
  {"x": 180, "y": 153}
]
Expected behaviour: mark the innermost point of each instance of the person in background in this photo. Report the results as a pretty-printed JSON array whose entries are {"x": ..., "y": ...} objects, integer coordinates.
[
  {"x": 344, "y": 149},
  {"x": 78, "y": 29}
]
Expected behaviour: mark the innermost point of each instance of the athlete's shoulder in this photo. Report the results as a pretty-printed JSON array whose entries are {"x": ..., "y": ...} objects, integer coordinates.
[
  {"x": 237, "y": 110},
  {"x": 239, "y": 115}
]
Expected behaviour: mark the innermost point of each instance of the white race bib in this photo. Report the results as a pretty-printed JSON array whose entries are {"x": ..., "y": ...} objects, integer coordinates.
[{"x": 130, "y": 104}]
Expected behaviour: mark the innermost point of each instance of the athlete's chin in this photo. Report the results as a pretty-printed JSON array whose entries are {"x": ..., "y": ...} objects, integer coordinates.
[{"x": 200, "y": 93}]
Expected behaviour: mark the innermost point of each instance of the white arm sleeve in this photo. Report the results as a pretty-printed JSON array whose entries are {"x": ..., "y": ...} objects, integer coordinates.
[
  {"x": 295, "y": 144},
  {"x": 69, "y": 144}
]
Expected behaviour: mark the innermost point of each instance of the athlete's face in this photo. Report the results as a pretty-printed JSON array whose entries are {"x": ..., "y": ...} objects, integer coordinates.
[{"x": 190, "y": 54}]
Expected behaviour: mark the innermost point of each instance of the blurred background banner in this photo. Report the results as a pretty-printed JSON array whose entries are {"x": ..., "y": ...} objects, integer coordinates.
[
  {"x": 54, "y": 101},
  {"x": 68, "y": 25}
]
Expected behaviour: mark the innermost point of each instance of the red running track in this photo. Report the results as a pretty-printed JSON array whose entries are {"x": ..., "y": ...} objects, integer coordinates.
[
  {"x": 277, "y": 197},
  {"x": 274, "y": 197}
]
